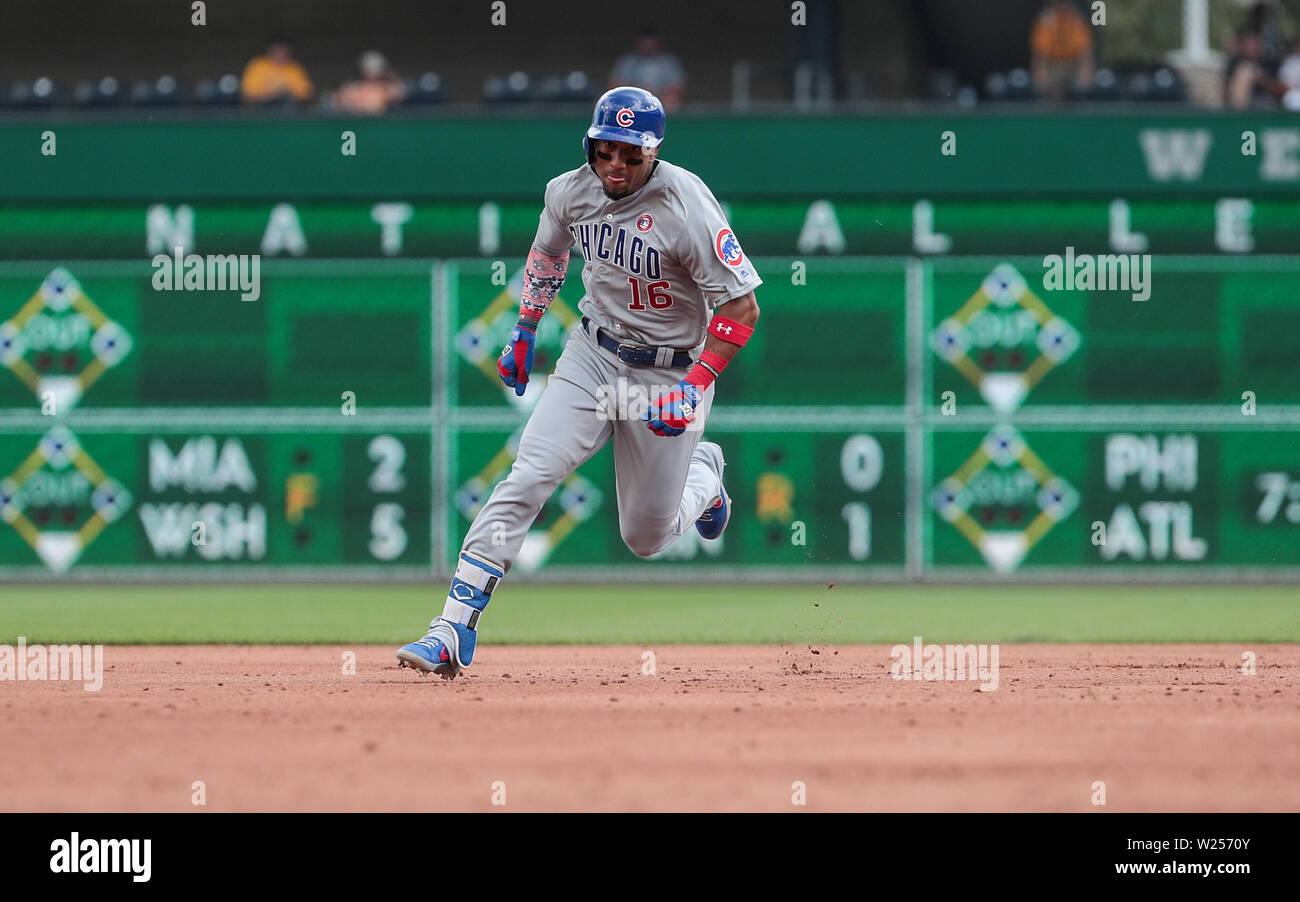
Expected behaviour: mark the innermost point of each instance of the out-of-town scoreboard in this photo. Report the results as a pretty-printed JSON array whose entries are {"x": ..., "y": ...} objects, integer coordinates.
[{"x": 893, "y": 417}]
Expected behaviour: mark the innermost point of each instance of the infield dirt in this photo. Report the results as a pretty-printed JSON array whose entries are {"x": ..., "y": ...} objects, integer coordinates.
[{"x": 715, "y": 728}]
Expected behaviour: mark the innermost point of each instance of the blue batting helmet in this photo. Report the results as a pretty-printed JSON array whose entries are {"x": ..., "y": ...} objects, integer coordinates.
[{"x": 629, "y": 115}]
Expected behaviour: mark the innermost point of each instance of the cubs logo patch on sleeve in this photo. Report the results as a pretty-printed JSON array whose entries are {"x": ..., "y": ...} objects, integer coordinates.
[{"x": 727, "y": 247}]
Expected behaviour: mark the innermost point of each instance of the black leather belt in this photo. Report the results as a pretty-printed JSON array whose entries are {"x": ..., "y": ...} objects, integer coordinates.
[{"x": 635, "y": 355}]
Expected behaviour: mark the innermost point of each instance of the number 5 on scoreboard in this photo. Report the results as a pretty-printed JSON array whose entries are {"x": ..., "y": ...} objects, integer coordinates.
[{"x": 387, "y": 536}]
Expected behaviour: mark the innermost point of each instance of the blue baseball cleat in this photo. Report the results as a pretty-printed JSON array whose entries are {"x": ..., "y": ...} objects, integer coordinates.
[
  {"x": 713, "y": 521},
  {"x": 447, "y": 649}
]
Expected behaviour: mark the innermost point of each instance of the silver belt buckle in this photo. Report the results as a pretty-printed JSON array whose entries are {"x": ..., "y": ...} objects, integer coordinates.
[{"x": 623, "y": 346}]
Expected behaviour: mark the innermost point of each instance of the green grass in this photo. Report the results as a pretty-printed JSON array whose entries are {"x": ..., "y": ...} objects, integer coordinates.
[{"x": 637, "y": 613}]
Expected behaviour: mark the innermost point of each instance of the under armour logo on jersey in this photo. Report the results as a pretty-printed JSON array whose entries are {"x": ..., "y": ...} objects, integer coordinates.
[{"x": 624, "y": 117}]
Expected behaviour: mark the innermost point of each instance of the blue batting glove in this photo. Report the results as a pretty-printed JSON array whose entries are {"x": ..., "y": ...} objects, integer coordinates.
[
  {"x": 516, "y": 360},
  {"x": 672, "y": 412}
]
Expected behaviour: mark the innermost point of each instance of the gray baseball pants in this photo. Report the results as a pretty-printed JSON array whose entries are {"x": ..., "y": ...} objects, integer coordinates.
[{"x": 592, "y": 396}]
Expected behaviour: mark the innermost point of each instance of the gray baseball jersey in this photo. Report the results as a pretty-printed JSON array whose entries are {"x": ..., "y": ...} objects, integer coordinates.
[{"x": 657, "y": 261}]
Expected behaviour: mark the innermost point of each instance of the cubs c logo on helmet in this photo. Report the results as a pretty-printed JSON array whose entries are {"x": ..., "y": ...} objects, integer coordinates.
[
  {"x": 727, "y": 247},
  {"x": 627, "y": 115},
  {"x": 644, "y": 222}
]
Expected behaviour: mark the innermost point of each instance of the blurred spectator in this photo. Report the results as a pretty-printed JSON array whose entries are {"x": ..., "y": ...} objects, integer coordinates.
[
  {"x": 376, "y": 90},
  {"x": 1061, "y": 42},
  {"x": 1289, "y": 77},
  {"x": 276, "y": 76},
  {"x": 1246, "y": 83},
  {"x": 1271, "y": 46},
  {"x": 651, "y": 68}
]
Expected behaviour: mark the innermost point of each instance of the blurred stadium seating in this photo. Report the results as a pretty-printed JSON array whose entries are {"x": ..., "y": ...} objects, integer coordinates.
[
  {"x": 890, "y": 51},
  {"x": 39, "y": 94},
  {"x": 103, "y": 92},
  {"x": 165, "y": 91},
  {"x": 1161, "y": 84},
  {"x": 219, "y": 92},
  {"x": 425, "y": 89}
]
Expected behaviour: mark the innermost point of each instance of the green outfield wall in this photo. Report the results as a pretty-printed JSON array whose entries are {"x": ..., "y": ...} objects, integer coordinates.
[
  {"x": 968, "y": 154},
  {"x": 922, "y": 400}
]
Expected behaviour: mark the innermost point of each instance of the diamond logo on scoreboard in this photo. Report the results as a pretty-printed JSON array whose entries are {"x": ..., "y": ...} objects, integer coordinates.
[
  {"x": 59, "y": 343},
  {"x": 1004, "y": 499},
  {"x": 59, "y": 500},
  {"x": 481, "y": 339},
  {"x": 1004, "y": 339}
]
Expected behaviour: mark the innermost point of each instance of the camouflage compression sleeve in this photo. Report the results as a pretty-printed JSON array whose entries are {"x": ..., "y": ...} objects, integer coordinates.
[{"x": 543, "y": 276}]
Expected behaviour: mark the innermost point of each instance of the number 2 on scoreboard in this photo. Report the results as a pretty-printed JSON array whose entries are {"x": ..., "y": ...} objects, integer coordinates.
[{"x": 389, "y": 455}]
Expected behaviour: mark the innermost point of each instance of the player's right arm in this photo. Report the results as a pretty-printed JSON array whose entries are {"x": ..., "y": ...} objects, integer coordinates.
[{"x": 544, "y": 272}]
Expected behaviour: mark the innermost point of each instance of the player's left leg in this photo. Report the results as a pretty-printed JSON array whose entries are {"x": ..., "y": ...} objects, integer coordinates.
[
  {"x": 568, "y": 425},
  {"x": 665, "y": 483}
]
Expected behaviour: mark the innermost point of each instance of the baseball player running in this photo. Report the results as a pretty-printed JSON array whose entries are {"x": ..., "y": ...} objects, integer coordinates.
[{"x": 669, "y": 301}]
